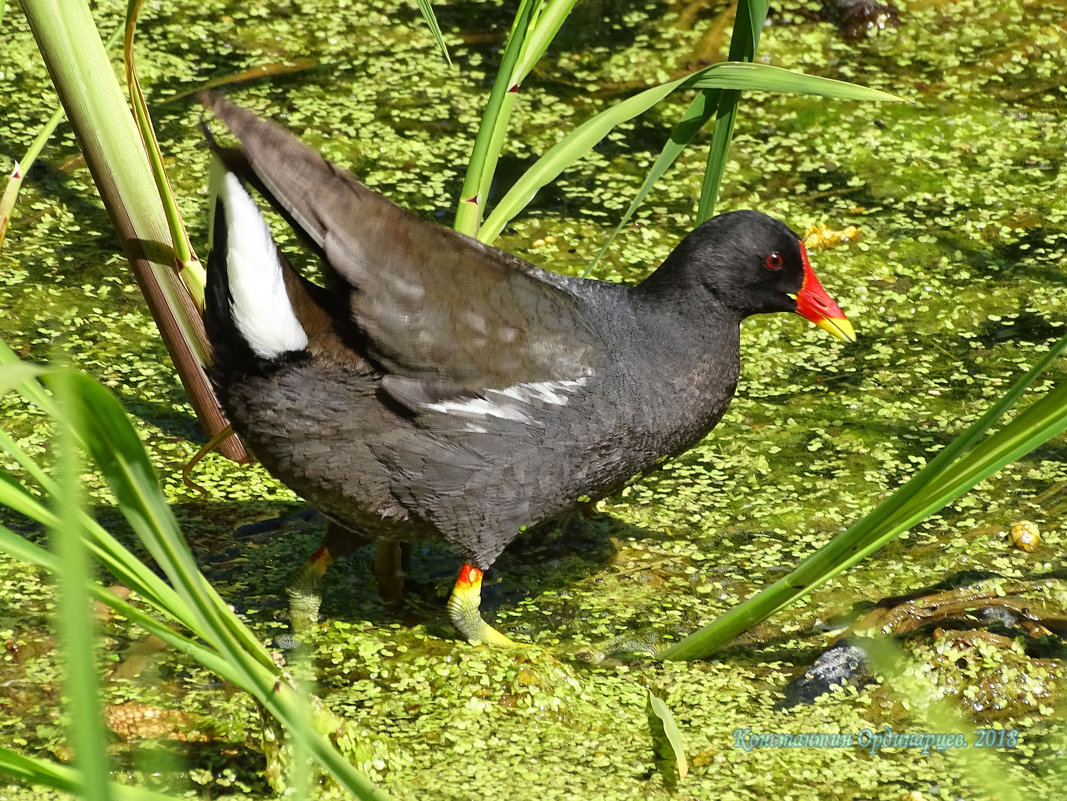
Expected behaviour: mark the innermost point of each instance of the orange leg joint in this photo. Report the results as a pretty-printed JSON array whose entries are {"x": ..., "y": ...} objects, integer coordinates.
[
  {"x": 464, "y": 610},
  {"x": 320, "y": 561}
]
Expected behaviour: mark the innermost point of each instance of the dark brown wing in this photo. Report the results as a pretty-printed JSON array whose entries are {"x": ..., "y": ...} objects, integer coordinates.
[{"x": 440, "y": 311}]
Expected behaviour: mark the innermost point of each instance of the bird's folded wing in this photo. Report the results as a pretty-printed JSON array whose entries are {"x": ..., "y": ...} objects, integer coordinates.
[{"x": 436, "y": 306}]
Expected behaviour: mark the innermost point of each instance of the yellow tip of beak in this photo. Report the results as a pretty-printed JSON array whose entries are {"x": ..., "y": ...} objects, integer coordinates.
[{"x": 840, "y": 327}]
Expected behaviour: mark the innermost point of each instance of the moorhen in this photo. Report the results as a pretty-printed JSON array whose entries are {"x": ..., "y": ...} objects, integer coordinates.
[{"x": 439, "y": 387}]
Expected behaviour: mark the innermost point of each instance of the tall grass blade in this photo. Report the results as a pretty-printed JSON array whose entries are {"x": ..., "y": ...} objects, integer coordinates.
[
  {"x": 105, "y": 548},
  {"x": 550, "y": 18},
  {"x": 43, "y": 773},
  {"x": 114, "y": 446},
  {"x": 744, "y": 41},
  {"x": 190, "y": 269},
  {"x": 765, "y": 78},
  {"x": 536, "y": 25},
  {"x": 18, "y": 172},
  {"x": 583, "y": 138},
  {"x": 75, "y": 628},
  {"x": 487, "y": 143},
  {"x": 426, "y": 9},
  {"x": 25, "y": 551},
  {"x": 93, "y": 100},
  {"x": 858, "y": 538}
]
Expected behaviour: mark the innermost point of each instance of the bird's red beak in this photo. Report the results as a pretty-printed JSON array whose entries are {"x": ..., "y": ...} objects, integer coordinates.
[{"x": 814, "y": 304}]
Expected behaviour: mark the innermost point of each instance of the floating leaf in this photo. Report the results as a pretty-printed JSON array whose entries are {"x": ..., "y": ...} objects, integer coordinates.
[{"x": 665, "y": 732}]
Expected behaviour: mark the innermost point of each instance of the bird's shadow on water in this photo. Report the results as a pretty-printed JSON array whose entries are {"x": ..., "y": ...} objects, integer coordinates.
[{"x": 250, "y": 550}]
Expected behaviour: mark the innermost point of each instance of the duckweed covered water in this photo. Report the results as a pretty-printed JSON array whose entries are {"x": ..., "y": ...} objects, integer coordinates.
[{"x": 955, "y": 285}]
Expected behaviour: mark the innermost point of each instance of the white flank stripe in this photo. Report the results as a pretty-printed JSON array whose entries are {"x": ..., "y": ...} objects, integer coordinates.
[
  {"x": 544, "y": 391},
  {"x": 479, "y": 407},
  {"x": 508, "y": 403},
  {"x": 260, "y": 306}
]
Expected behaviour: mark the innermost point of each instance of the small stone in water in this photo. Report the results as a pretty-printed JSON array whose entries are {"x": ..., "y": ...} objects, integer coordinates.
[{"x": 1025, "y": 535}]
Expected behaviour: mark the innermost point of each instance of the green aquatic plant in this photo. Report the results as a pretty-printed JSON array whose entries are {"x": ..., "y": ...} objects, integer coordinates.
[
  {"x": 720, "y": 87},
  {"x": 88, "y": 416},
  {"x": 964, "y": 462}
]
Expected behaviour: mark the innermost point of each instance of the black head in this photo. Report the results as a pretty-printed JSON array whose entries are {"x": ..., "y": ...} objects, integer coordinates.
[{"x": 751, "y": 264}]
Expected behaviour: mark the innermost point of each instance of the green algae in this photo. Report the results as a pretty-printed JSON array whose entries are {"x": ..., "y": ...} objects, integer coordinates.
[{"x": 955, "y": 285}]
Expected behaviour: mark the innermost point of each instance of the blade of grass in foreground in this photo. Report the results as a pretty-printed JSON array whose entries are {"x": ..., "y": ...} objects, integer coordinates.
[
  {"x": 74, "y": 626},
  {"x": 113, "y": 555},
  {"x": 101, "y": 427},
  {"x": 42, "y": 773},
  {"x": 18, "y": 547},
  {"x": 113, "y": 445},
  {"x": 118, "y": 561},
  {"x": 951, "y": 473}
]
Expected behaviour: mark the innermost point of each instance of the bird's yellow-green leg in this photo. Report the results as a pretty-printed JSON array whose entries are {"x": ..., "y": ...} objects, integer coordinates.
[
  {"x": 305, "y": 587},
  {"x": 305, "y": 590},
  {"x": 463, "y": 609}
]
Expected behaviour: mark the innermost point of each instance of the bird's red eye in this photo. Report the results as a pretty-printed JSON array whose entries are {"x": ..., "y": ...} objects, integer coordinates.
[{"x": 774, "y": 261}]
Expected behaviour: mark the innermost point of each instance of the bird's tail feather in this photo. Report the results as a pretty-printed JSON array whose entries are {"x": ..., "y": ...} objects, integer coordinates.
[{"x": 248, "y": 314}]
